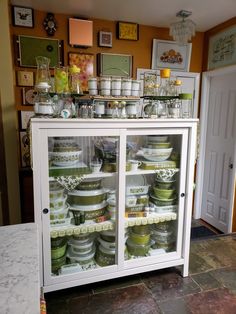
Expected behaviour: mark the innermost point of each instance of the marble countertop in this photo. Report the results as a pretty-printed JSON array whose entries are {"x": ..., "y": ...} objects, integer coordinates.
[{"x": 19, "y": 269}]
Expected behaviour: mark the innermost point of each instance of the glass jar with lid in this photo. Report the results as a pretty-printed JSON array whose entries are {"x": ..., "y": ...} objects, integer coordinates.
[
  {"x": 186, "y": 105},
  {"x": 164, "y": 89}
]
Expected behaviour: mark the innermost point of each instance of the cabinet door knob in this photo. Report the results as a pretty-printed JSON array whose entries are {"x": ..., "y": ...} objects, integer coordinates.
[
  {"x": 231, "y": 166},
  {"x": 45, "y": 210},
  {"x": 182, "y": 194}
]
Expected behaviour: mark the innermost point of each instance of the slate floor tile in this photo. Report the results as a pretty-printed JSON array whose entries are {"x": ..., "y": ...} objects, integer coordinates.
[
  {"x": 219, "y": 301},
  {"x": 176, "y": 306},
  {"x": 170, "y": 285},
  {"x": 135, "y": 299},
  {"x": 207, "y": 281},
  {"x": 227, "y": 277}
]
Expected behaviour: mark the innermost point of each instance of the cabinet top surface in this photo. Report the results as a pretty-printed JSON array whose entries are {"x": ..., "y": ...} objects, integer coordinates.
[{"x": 125, "y": 123}]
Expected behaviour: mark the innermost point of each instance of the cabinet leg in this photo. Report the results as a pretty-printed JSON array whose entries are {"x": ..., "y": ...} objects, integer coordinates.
[{"x": 185, "y": 270}]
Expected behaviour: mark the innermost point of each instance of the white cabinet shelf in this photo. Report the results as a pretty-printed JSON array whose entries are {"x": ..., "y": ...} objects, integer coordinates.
[{"x": 117, "y": 245}]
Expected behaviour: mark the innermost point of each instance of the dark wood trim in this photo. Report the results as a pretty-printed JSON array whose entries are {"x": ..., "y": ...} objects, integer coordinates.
[{"x": 3, "y": 175}]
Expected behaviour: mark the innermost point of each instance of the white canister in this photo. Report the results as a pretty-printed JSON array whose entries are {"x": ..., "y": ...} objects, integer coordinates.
[
  {"x": 105, "y": 92},
  {"x": 135, "y": 85},
  {"x": 105, "y": 83},
  {"x": 126, "y": 92},
  {"x": 100, "y": 108},
  {"x": 92, "y": 83},
  {"x": 115, "y": 92},
  {"x": 93, "y": 92},
  {"x": 131, "y": 109},
  {"x": 135, "y": 93},
  {"x": 126, "y": 84},
  {"x": 116, "y": 83}
]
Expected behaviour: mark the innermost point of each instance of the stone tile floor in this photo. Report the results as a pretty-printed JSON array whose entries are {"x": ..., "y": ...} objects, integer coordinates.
[{"x": 209, "y": 289}]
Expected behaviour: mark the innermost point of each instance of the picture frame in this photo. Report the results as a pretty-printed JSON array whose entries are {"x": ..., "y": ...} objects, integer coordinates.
[
  {"x": 25, "y": 78},
  {"x": 222, "y": 49},
  {"x": 24, "y": 149},
  {"x": 105, "y": 39},
  {"x": 24, "y": 118},
  {"x": 127, "y": 31},
  {"x": 85, "y": 61},
  {"x": 110, "y": 64},
  {"x": 28, "y": 96},
  {"x": 29, "y": 47},
  {"x": 22, "y": 16},
  {"x": 170, "y": 54}
]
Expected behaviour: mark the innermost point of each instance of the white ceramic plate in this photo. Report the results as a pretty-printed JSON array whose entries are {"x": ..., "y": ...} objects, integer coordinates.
[{"x": 134, "y": 180}]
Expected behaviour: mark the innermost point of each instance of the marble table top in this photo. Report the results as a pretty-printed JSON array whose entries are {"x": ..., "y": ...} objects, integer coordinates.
[{"x": 19, "y": 269}]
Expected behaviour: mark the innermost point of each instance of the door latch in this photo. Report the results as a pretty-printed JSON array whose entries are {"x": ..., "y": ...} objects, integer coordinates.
[
  {"x": 45, "y": 210},
  {"x": 231, "y": 166}
]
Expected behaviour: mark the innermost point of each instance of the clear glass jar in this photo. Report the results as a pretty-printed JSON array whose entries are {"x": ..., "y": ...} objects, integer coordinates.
[
  {"x": 43, "y": 103},
  {"x": 174, "y": 110},
  {"x": 43, "y": 77},
  {"x": 164, "y": 89},
  {"x": 186, "y": 105},
  {"x": 61, "y": 79}
]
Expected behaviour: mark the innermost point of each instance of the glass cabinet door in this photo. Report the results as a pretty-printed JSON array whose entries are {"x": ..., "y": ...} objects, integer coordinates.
[
  {"x": 82, "y": 203},
  {"x": 154, "y": 208}
]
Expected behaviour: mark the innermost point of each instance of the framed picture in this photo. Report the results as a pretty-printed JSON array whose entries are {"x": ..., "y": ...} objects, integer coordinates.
[
  {"x": 25, "y": 78},
  {"x": 31, "y": 47},
  {"x": 110, "y": 64},
  {"x": 22, "y": 16},
  {"x": 105, "y": 39},
  {"x": 28, "y": 96},
  {"x": 24, "y": 118},
  {"x": 170, "y": 54},
  {"x": 25, "y": 149},
  {"x": 126, "y": 30},
  {"x": 222, "y": 49},
  {"x": 85, "y": 62}
]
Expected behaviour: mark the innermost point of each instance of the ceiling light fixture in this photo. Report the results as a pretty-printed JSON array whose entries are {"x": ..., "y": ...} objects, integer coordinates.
[{"x": 184, "y": 30}]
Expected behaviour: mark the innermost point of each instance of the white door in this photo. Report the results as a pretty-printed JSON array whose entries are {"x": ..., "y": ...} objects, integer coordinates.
[{"x": 218, "y": 183}]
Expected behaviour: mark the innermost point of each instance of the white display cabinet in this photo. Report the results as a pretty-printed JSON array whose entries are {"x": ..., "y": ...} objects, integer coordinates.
[{"x": 132, "y": 215}]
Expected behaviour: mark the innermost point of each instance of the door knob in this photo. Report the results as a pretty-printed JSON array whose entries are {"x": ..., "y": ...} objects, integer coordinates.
[
  {"x": 45, "y": 210},
  {"x": 231, "y": 166}
]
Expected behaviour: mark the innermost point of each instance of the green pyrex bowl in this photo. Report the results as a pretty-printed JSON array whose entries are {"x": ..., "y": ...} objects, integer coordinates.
[
  {"x": 105, "y": 257},
  {"x": 57, "y": 263},
  {"x": 164, "y": 194},
  {"x": 139, "y": 238},
  {"x": 137, "y": 249},
  {"x": 58, "y": 251},
  {"x": 142, "y": 229},
  {"x": 86, "y": 197},
  {"x": 89, "y": 184}
]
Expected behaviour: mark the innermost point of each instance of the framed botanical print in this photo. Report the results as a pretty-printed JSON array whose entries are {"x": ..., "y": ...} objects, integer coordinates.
[
  {"x": 22, "y": 16},
  {"x": 25, "y": 78},
  {"x": 85, "y": 62},
  {"x": 170, "y": 54}
]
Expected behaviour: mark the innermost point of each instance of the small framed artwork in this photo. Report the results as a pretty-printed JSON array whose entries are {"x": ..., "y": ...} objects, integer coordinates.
[
  {"x": 85, "y": 62},
  {"x": 25, "y": 149},
  {"x": 22, "y": 16},
  {"x": 25, "y": 78},
  {"x": 24, "y": 118},
  {"x": 105, "y": 39},
  {"x": 170, "y": 54},
  {"x": 222, "y": 49},
  {"x": 128, "y": 31},
  {"x": 110, "y": 64},
  {"x": 28, "y": 96}
]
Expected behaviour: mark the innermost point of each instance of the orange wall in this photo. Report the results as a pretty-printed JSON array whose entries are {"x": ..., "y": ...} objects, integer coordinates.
[{"x": 141, "y": 50}]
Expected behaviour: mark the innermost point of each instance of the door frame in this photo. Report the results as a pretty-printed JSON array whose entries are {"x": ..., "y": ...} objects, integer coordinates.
[{"x": 204, "y": 108}]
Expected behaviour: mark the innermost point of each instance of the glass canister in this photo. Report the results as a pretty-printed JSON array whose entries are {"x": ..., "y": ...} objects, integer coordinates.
[
  {"x": 186, "y": 105},
  {"x": 177, "y": 87},
  {"x": 43, "y": 77},
  {"x": 149, "y": 82},
  {"x": 174, "y": 110},
  {"x": 61, "y": 79},
  {"x": 74, "y": 80},
  {"x": 43, "y": 103},
  {"x": 164, "y": 89}
]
